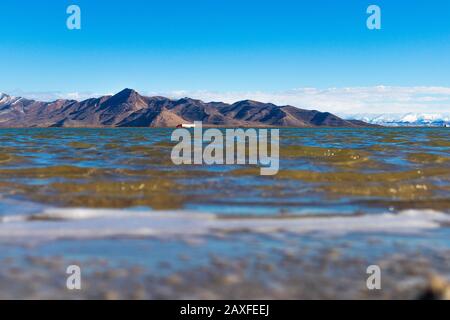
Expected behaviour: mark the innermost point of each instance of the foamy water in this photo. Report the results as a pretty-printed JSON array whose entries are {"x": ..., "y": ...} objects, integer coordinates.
[{"x": 53, "y": 224}]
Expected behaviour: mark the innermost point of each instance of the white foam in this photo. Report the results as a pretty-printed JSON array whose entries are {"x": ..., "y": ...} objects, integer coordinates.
[{"x": 54, "y": 224}]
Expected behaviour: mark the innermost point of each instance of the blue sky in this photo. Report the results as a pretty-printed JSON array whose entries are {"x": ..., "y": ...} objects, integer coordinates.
[{"x": 223, "y": 46}]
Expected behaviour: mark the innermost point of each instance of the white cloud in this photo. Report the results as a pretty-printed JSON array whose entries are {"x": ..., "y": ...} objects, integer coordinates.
[
  {"x": 379, "y": 99},
  {"x": 53, "y": 95},
  {"x": 345, "y": 100}
]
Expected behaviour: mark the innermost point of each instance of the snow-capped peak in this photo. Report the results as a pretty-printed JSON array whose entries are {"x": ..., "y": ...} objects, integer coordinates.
[
  {"x": 8, "y": 100},
  {"x": 410, "y": 118},
  {"x": 4, "y": 98},
  {"x": 404, "y": 119}
]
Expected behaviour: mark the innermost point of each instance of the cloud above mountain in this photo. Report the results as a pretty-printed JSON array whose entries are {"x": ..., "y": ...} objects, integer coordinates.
[
  {"x": 54, "y": 95},
  {"x": 379, "y": 99},
  {"x": 344, "y": 100}
]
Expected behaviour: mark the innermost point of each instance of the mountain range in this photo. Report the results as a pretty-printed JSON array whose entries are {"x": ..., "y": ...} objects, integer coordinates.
[
  {"x": 405, "y": 119},
  {"x": 130, "y": 109}
]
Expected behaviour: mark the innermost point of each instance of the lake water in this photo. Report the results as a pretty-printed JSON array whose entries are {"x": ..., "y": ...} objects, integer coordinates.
[{"x": 111, "y": 199}]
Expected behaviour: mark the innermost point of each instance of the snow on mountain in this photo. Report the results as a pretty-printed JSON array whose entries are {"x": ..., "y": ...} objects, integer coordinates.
[
  {"x": 4, "y": 98},
  {"x": 8, "y": 100},
  {"x": 404, "y": 119}
]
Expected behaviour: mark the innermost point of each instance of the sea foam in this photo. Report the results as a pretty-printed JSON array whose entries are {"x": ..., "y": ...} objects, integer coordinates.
[{"x": 53, "y": 224}]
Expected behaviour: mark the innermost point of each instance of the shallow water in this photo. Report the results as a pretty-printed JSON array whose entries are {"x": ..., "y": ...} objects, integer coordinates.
[
  {"x": 322, "y": 171},
  {"x": 114, "y": 194}
]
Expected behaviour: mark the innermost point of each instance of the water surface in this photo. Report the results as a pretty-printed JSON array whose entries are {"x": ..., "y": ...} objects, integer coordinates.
[{"x": 114, "y": 195}]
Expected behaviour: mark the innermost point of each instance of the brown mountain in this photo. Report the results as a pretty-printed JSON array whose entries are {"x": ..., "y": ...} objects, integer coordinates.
[{"x": 129, "y": 109}]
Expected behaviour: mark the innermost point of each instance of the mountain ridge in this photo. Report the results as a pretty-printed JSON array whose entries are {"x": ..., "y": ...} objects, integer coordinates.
[
  {"x": 432, "y": 119},
  {"x": 128, "y": 108}
]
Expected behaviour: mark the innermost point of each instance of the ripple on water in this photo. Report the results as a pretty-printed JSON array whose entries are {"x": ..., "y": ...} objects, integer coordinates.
[{"x": 132, "y": 167}]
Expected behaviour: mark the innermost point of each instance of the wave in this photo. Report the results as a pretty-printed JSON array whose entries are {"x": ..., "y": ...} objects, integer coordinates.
[{"x": 53, "y": 224}]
